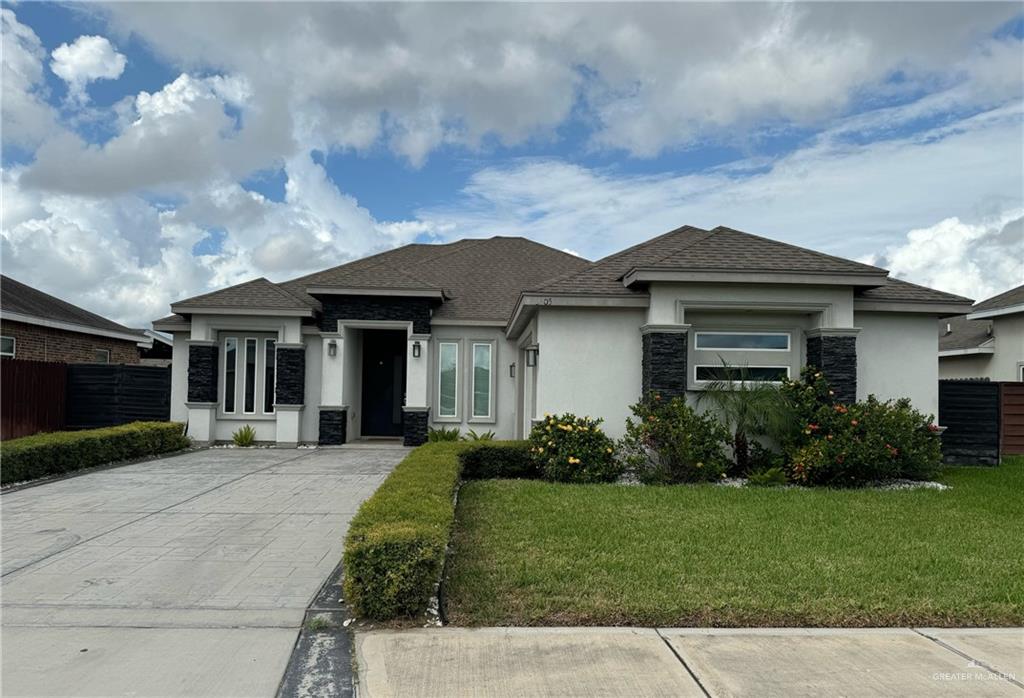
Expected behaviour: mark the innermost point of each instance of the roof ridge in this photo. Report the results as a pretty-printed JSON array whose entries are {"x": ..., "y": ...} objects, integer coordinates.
[
  {"x": 798, "y": 247},
  {"x": 689, "y": 243},
  {"x": 220, "y": 290}
]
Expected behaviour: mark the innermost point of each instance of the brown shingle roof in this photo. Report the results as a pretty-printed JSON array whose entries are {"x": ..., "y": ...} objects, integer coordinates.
[
  {"x": 1015, "y": 296},
  {"x": 693, "y": 249},
  {"x": 16, "y": 297},
  {"x": 258, "y": 293},
  {"x": 964, "y": 333},
  {"x": 898, "y": 290}
]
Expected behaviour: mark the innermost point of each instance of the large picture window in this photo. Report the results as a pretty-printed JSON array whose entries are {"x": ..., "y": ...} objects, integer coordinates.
[
  {"x": 448, "y": 379},
  {"x": 770, "y": 374},
  {"x": 230, "y": 366},
  {"x": 482, "y": 381}
]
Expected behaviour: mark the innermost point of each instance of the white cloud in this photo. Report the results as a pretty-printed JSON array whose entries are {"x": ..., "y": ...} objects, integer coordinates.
[
  {"x": 26, "y": 117},
  {"x": 85, "y": 60},
  {"x": 850, "y": 200}
]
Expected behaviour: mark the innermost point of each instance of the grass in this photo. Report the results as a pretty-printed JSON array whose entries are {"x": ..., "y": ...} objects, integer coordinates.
[{"x": 534, "y": 553}]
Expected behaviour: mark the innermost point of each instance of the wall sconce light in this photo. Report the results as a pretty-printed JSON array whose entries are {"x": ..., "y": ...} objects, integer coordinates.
[
  {"x": 531, "y": 356},
  {"x": 512, "y": 370},
  {"x": 415, "y": 350},
  {"x": 332, "y": 348}
]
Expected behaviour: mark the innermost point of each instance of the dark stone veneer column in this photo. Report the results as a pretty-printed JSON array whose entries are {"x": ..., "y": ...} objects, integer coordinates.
[
  {"x": 414, "y": 425},
  {"x": 835, "y": 355},
  {"x": 664, "y": 361},
  {"x": 291, "y": 374},
  {"x": 333, "y": 426},
  {"x": 202, "y": 372}
]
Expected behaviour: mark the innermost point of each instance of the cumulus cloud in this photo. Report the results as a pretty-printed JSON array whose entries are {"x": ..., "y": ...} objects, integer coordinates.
[
  {"x": 85, "y": 60},
  {"x": 27, "y": 118}
]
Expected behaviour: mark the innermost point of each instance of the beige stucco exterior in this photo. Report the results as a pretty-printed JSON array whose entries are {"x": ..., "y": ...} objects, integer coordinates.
[{"x": 1003, "y": 363}]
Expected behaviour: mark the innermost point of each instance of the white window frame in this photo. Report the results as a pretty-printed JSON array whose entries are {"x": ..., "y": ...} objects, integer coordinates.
[
  {"x": 255, "y": 375},
  {"x": 489, "y": 417},
  {"x": 224, "y": 379},
  {"x": 787, "y": 335},
  {"x": 97, "y": 351},
  {"x": 454, "y": 417},
  {"x": 14, "y": 347},
  {"x": 703, "y": 382},
  {"x": 273, "y": 387}
]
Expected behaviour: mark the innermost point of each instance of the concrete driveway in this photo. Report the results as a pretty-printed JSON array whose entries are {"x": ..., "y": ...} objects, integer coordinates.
[{"x": 187, "y": 575}]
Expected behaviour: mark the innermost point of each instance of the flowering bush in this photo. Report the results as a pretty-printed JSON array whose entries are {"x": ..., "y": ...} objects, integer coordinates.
[
  {"x": 668, "y": 442},
  {"x": 574, "y": 449},
  {"x": 845, "y": 445}
]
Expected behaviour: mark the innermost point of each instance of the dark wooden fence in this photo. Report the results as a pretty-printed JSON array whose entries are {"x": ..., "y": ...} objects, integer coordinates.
[
  {"x": 1012, "y": 427},
  {"x": 39, "y": 396},
  {"x": 32, "y": 397},
  {"x": 970, "y": 411}
]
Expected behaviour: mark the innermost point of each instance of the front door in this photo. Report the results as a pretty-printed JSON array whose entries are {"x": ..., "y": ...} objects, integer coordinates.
[{"x": 383, "y": 382}]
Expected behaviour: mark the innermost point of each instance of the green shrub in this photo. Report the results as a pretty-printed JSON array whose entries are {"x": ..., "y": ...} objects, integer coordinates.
[
  {"x": 770, "y": 477},
  {"x": 574, "y": 449},
  {"x": 471, "y": 435},
  {"x": 64, "y": 451},
  {"x": 442, "y": 434},
  {"x": 668, "y": 442},
  {"x": 499, "y": 459},
  {"x": 246, "y": 436},
  {"x": 396, "y": 543},
  {"x": 849, "y": 445}
]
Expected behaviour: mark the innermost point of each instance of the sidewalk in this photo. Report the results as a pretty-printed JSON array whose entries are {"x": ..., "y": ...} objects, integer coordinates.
[{"x": 566, "y": 662}]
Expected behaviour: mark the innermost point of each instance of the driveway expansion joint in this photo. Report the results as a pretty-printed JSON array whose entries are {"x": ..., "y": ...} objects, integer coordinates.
[
  {"x": 679, "y": 657},
  {"x": 1010, "y": 678}
]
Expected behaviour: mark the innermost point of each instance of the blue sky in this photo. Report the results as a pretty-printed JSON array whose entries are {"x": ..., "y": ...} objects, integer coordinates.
[{"x": 155, "y": 151}]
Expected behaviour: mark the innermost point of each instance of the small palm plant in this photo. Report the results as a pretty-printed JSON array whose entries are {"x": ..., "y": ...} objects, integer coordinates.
[
  {"x": 246, "y": 436},
  {"x": 472, "y": 435},
  {"x": 747, "y": 407}
]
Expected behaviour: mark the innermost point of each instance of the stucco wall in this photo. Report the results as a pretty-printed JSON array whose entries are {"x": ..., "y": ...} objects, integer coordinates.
[
  {"x": 590, "y": 362},
  {"x": 898, "y": 356},
  {"x": 836, "y": 302},
  {"x": 179, "y": 377},
  {"x": 309, "y": 424},
  {"x": 970, "y": 366},
  {"x": 504, "y": 353},
  {"x": 1002, "y": 365}
]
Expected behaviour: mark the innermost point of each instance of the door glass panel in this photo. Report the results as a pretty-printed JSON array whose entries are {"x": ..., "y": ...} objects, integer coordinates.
[
  {"x": 268, "y": 375},
  {"x": 230, "y": 358},
  {"x": 250, "y": 374}
]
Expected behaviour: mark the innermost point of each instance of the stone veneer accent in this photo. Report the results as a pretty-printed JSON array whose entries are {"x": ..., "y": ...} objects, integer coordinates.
[
  {"x": 836, "y": 357},
  {"x": 415, "y": 426},
  {"x": 291, "y": 375},
  {"x": 664, "y": 363},
  {"x": 202, "y": 372},
  {"x": 395, "y": 308},
  {"x": 333, "y": 426}
]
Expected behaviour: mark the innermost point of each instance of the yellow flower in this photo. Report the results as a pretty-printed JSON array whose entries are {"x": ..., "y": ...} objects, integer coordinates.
[
  {"x": 700, "y": 465},
  {"x": 540, "y": 450},
  {"x": 609, "y": 450}
]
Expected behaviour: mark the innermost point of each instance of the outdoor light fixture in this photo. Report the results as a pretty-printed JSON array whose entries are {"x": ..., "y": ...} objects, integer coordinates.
[
  {"x": 531, "y": 356},
  {"x": 415, "y": 350},
  {"x": 512, "y": 370},
  {"x": 332, "y": 348}
]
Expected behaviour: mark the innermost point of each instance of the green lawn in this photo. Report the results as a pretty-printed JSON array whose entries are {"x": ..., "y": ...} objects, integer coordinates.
[{"x": 533, "y": 553}]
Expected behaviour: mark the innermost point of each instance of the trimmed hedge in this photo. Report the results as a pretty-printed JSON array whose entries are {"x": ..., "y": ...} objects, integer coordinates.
[
  {"x": 40, "y": 455},
  {"x": 499, "y": 459},
  {"x": 396, "y": 542}
]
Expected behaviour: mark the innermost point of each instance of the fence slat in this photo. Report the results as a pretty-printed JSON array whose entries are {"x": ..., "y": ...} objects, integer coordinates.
[
  {"x": 970, "y": 411},
  {"x": 101, "y": 395},
  {"x": 32, "y": 397}
]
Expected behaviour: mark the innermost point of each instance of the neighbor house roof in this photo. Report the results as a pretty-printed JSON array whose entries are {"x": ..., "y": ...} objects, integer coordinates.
[
  {"x": 1006, "y": 303},
  {"x": 22, "y": 303},
  {"x": 959, "y": 335},
  {"x": 690, "y": 249}
]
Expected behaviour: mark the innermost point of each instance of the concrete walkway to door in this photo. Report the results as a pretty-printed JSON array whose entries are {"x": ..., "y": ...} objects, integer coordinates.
[{"x": 187, "y": 575}]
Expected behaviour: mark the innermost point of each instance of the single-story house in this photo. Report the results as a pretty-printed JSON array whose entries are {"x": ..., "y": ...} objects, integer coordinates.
[
  {"x": 490, "y": 334},
  {"x": 40, "y": 327},
  {"x": 988, "y": 342}
]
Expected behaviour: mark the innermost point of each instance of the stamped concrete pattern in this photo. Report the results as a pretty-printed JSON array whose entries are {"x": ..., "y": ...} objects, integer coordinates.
[
  {"x": 719, "y": 663},
  {"x": 204, "y": 563}
]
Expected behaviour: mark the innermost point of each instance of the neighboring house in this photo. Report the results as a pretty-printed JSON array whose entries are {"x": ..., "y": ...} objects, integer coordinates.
[
  {"x": 491, "y": 334},
  {"x": 988, "y": 342},
  {"x": 39, "y": 327},
  {"x": 159, "y": 353}
]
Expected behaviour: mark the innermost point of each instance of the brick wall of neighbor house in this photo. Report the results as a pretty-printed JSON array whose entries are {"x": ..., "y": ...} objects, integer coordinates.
[
  {"x": 36, "y": 343},
  {"x": 337, "y": 308}
]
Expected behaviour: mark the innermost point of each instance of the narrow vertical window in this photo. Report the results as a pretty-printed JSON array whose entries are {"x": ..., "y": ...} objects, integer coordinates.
[
  {"x": 250, "y": 375},
  {"x": 230, "y": 359},
  {"x": 269, "y": 347},
  {"x": 448, "y": 379},
  {"x": 482, "y": 380}
]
